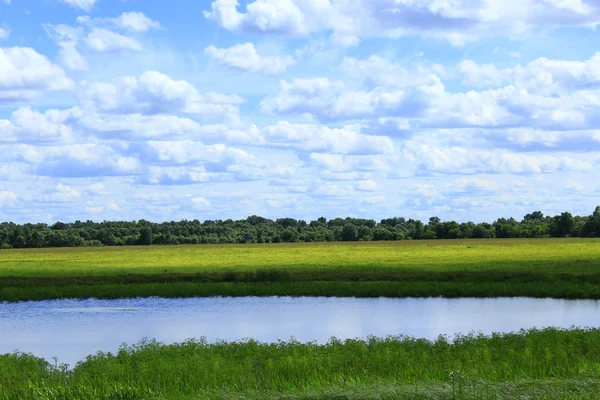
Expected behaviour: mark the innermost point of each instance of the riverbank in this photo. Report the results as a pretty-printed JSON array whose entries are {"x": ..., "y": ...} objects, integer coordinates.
[
  {"x": 542, "y": 364},
  {"x": 556, "y": 268}
]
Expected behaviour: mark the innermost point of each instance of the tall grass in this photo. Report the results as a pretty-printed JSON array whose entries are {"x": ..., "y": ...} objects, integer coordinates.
[
  {"x": 557, "y": 290},
  {"x": 473, "y": 366}
]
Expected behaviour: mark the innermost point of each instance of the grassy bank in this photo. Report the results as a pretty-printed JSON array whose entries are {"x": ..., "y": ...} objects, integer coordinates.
[
  {"x": 556, "y": 290},
  {"x": 560, "y": 268},
  {"x": 544, "y": 364}
]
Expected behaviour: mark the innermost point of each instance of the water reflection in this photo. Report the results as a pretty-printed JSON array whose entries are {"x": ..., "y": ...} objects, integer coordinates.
[{"x": 72, "y": 329}]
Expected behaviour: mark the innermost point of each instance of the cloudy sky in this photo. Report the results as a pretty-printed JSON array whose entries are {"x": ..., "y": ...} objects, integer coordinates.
[{"x": 165, "y": 110}]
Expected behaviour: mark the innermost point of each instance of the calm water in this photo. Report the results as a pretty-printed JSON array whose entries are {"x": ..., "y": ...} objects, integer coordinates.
[{"x": 72, "y": 329}]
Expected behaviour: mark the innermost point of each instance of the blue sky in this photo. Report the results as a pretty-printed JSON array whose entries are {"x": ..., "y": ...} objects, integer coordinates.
[{"x": 467, "y": 110}]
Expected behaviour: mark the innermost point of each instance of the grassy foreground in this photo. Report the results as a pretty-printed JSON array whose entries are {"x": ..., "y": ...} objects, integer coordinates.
[
  {"x": 536, "y": 364},
  {"x": 560, "y": 268}
]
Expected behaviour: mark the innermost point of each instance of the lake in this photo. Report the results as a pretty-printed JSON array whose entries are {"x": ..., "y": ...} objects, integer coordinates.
[{"x": 73, "y": 329}]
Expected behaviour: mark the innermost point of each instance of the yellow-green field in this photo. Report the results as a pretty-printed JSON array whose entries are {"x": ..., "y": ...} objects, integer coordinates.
[
  {"x": 567, "y": 268},
  {"x": 574, "y": 256}
]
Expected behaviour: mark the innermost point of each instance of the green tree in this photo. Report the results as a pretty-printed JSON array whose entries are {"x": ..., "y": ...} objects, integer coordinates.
[
  {"x": 145, "y": 236},
  {"x": 349, "y": 233}
]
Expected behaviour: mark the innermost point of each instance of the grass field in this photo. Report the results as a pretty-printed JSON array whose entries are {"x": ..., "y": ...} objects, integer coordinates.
[
  {"x": 568, "y": 268},
  {"x": 537, "y": 364}
]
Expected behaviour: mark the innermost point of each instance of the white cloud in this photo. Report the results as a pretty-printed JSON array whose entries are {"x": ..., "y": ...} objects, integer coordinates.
[
  {"x": 342, "y": 163},
  {"x": 329, "y": 189},
  {"x": 67, "y": 38},
  {"x": 24, "y": 74},
  {"x": 367, "y": 186},
  {"x": 27, "y": 125},
  {"x": 85, "y": 5},
  {"x": 216, "y": 158},
  {"x": 132, "y": 21},
  {"x": 363, "y": 135},
  {"x": 540, "y": 76},
  {"x": 152, "y": 93},
  {"x": 470, "y": 185},
  {"x": 102, "y": 40},
  {"x": 388, "y": 95},
  {"x": 62, "y": 193},
  {"x": 245, "y": 57},
  {"x": 175, "y": 175},
  {"x": 136, "y": 21},
  {"x": 96, "y": 188},
  {"x": 320, "y": 138},
  {"x": 4, "y": 33},
  {"x": 73, "y": 160},
  {"x": 329, "y": 100},
  {"x": 95, "y": 210},
  {"x": 377, "y": 71},
  {"x": 136, "y": 126},
  {"x": 459, "y": 160},
  {"x": 7, "y": 197},
  {"x": 286, "y": 17},
  {"x": 455, "y": 21},
  {"x": 200, "y": 201}
]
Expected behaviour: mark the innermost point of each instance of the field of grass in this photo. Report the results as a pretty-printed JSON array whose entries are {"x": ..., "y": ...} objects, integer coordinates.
[
  {"x": 537, "y": 364},
  {"x": 563, "y": 268}
]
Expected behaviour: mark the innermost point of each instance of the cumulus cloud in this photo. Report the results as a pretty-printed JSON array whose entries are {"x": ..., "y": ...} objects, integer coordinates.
[
  {"x": 94, "y": 35},
  {"x": 343, "y": 163},
  {"x": 67, "y": 38},
  {"x": 329, "y": 100},
  {"x": 175, "y": 175},
  {"x": 136, "y": 21},
  {"x": 245, "y": 57},
  {"x": 338, "y": 130},
  {"x": 285, "y": 17},
  {"x": 329, "y": 189},
  {"x": 62, "y": 193},
  {"x": 138, "y": 126},
  {"x": 367, "y": 186},
  {"x": 152, "y": 93},
  {"x": 396, "y": 100},
  {"x": 200, "y": 202},
  {"x": 456, "y": 22},
  {"x": 320, "y": 138},
  {"x": 96, "y": 188},
  {"x": 377, "y": 71},
  {"x": 7, "y": 197},
  {"x": 4, "y": 33},
  {"x": 28, "y": 125},
  {"x": 72, "y": 161},
  {"x": 130, "y": 21},
  {"x": 427, "y": 159},
  {"x": 214, "y": 158},
  {"x": 540, "y": 76},
  {"x": 85, "y": 5},
  {"x": 102, "y": 40},
  {"x": 25, "y": 74}
]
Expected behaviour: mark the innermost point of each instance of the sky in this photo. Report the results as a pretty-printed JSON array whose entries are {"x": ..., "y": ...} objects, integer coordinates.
[{"x": 468, "y": 110}]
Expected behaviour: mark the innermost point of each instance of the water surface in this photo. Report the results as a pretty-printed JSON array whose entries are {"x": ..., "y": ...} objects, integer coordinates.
[{"x": 73, "y": 329}]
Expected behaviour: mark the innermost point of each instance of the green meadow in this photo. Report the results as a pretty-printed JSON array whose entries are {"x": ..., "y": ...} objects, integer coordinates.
[{"x": 560, "y": 268}]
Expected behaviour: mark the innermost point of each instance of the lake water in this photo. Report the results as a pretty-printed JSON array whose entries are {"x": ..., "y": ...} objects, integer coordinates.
[{"x": 73, "y": 329}]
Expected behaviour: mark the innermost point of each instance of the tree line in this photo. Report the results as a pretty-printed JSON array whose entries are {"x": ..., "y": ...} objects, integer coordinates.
[{"x": 255, "y": 229}]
